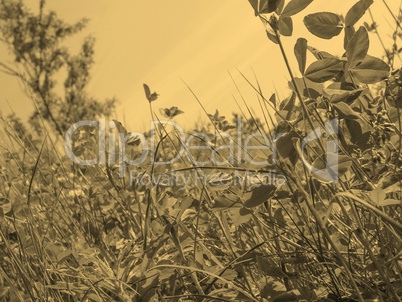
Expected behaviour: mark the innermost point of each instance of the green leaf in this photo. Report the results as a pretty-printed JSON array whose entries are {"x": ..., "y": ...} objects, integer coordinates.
[
  {"x": 272, "y": 100},
  {"x": 268, "y": 6},
  {"x": 300, "y": 51},
  {"x": 189, "y": 213},
  {"x": 254, "y": 4},
  {"x": 133, "y": 139},
  {"x": 119, "y": 126},
  {"x": 230, "y": 274},
  {"x": 288, "y": 104},
  {"x": 318, "y": 54},
  {"x": 284, "y": 145},
  {"x": 336, "y": 94},
  {"x": 348, "y": 96},
  {"x": 184, "y": 205},
  {"x": 363, "y": 142},
  {"x": 349, "y": 32},
  {"x": 167, "y": 203},
  {"x": 324, "y": 70},
  {"x": 52, "y": 250},
  {"x": 345, "y": 111},
  {"x": 295, "y": 6},
  {"x": 285, "y": 26},
  {"x": 239, "y": 216},
  {"x": 272, "y": 36},
  {"x": 313, "y": 90},
  {"x": 279, "y": 9},
  {"x": 244, "y": 211},
  {"x": 370, "y": 71},
  {"x": 170, "y": 112},
  {"x": 325, "y": 25},
  {"x": 378, "y": 195},
  {"x": 355, "y": 130},
  {"x": 258, "y": 195},
  {"x": 357, "y": 48},
  {"x": 150, "y": 96},
  {"x": 64, "y": 255},
  {"x": 357, "y": 11},
  {"x": 226, "y": 201},
  {"x": 341, "y": 86},
  {"x": 331, "y": 165}
]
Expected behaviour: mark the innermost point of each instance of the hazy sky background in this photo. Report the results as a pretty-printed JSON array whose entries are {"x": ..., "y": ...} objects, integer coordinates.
[{"x": 163, "y": 43}]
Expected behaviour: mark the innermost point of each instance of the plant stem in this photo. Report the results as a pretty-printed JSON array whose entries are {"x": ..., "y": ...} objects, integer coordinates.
[{"x": 305, "y": 109}]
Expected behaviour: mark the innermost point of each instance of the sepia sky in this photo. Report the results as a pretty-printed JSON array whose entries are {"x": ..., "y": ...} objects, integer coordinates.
[{"x": 167, "y": 43}]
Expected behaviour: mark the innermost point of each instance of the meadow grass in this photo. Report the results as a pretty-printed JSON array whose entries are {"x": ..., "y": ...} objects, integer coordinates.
[{"x": 203, "y": 217}]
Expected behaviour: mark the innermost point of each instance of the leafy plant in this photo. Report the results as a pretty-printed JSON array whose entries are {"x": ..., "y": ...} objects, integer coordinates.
[{"x": 36, "y": 43}]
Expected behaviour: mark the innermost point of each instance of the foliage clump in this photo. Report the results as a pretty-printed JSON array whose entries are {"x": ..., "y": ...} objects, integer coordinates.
[{"x": 37, "y": 43}]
